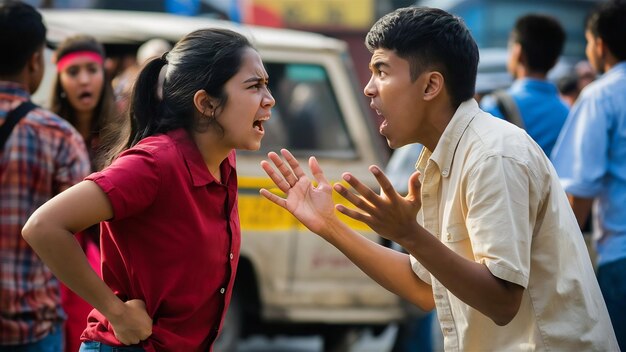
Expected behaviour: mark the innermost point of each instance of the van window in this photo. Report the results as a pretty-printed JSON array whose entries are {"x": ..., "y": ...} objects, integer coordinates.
[{"x": 306, "y": 118}]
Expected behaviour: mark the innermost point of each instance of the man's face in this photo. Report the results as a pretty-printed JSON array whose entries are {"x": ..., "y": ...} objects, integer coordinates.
[
  {"x": 593, "y": 52},
  {"x": 395, "y": 97},
  {"x": 36, "y": 70}
]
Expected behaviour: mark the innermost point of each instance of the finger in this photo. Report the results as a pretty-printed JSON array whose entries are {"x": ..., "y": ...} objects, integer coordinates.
[
  {"x": 278, "y": 180},
  {"x": 282, "y": 202},
  {"x": 415, "y": 186},
  {"x": 356, "y": 215},
  {"x": 293, "y": 163},
  {"x": 358, "y": 201},
  {"x": 367, "y": 193},
  {"x": 317, "y": 172},
  {"x": 137, "y": 303},
  {"x": 126, "y": 341},
  {"x": 284, "y": 168},
  {"x": 383, "y": 181}
]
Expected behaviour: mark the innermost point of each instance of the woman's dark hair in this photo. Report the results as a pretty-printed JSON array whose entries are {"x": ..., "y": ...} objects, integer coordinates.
[
  {"x": 430, "y": 38},
  {"x": 203, "y": 60},
  {"x": 104, "y": 112},
  {"x": 606, "y": 21}
]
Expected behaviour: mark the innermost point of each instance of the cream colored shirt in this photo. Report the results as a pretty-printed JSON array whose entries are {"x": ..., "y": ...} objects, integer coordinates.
[{"x": 490, "y": 194}]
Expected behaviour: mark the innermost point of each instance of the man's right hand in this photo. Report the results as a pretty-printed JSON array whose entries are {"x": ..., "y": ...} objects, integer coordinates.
[{"x": 135, "y": 325}]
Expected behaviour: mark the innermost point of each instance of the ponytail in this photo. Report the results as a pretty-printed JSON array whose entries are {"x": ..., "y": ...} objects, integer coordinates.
[
  {"x": 203, "y": 60},
  {"x": 145, "y": 110}
]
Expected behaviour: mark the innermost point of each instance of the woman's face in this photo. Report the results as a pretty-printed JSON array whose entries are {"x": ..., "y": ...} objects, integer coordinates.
[
  {"x": 249, "y": 104},
  {"x": 82, "y": 80}
]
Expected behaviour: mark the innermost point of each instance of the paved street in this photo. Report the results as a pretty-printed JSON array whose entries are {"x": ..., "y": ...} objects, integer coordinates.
[{"x": 365, "y": 343}]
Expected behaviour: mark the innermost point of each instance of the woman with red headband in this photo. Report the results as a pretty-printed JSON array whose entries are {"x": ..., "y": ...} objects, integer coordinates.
[{"x": 83, "y": 96}]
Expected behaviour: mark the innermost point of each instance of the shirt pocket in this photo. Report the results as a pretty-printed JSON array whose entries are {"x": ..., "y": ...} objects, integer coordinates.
[
  {"x": 455, "y": 233},
  {"x": 457, "y": 239}
]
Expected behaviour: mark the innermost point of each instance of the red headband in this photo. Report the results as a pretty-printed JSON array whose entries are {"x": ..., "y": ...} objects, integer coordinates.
[{"x": 70, "y": 58}]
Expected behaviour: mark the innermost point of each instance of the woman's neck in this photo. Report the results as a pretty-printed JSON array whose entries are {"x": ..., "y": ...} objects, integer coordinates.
[
  {"x": 212, "y": 151},
  {"x": 83, "y": 123}
]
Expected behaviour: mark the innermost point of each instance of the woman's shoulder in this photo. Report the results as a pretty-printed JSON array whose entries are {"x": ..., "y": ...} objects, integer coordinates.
[{"x": 159, "y": 143}]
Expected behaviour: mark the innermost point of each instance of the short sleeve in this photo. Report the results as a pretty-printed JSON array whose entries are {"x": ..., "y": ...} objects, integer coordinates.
[
  {"x": 498, "y": 217},
  {"x": 131, "y": 182}
]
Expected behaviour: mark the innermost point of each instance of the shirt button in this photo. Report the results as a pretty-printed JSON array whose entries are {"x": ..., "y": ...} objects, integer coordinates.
[
  {"x": 231, "y": 256},
  {"x": 222, "y": 290}
]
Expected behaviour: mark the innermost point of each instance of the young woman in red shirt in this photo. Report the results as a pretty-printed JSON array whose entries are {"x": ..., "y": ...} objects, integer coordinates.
[{"x": 170, "y": 230}]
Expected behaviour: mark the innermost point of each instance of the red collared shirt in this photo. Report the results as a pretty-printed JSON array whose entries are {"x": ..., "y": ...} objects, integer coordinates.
[
  {"x": 173, "y": 242},
  {"x": 43, "y": 155}
]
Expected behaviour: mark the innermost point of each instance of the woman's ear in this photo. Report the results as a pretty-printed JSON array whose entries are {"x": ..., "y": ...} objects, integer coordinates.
[
  {"x": 203, "y": 102},
  {"x": 434, "y": 85}
]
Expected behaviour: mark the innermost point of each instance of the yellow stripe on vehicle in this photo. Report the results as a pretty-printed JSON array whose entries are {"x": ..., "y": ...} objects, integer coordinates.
[{"x": 256, "y": 213}]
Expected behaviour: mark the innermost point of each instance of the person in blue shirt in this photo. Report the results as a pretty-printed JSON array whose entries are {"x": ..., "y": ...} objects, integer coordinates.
[
  {"x": 535, "y": 44},
  {"x": 590, "y": 155}
]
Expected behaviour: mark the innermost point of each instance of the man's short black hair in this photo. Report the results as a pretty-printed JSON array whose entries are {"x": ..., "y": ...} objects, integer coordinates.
[
  {"x": 608, "y": 22},
  {"x": 430, "y": 38},
  {"x": 542, "y": 38},
  {"x": 22, "y": 33}
]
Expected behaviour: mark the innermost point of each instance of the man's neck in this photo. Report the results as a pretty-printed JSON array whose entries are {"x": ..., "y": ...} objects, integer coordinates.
[
  {"x": 19, "y": 79},
  {"x": 523, "y": 72}
]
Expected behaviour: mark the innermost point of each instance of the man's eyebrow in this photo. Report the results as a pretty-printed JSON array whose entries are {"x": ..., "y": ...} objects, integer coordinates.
[{"x": 378, "y": 64}]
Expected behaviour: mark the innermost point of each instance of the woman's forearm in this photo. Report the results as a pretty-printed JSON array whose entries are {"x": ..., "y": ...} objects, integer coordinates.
[{"x": 61, "y": 252}]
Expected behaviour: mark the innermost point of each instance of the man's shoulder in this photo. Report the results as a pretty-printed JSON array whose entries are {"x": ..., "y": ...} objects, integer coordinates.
[
  {"x": 606, "y": 86},
  {"x": 489, "y": 136},
  {"x": 44, "y": 121}
]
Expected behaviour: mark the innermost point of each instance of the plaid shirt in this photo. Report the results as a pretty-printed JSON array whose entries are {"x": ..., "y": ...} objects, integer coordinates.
[{"x": 43, "y": 156}]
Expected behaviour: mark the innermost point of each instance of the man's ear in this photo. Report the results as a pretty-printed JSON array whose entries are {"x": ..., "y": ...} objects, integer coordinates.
[
  {"x": 36, "y": 62},
  {"x": 434, "y": 84},
  {"x": 601, "y": 49},
  {"x": 517, "y": 53},
  {"x": 204, "y": 103}
]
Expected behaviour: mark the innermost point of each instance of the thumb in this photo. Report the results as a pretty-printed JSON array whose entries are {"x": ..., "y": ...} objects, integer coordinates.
[
  {"x": 415, "y": 186},
  {"x": 136, "y": 303}
]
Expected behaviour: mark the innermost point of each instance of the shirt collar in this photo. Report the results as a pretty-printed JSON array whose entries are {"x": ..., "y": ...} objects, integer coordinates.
[
  {"x": 446, "y": 147},
  {"x": 198, "y": 171},
  {"x": 619, "y": 67},
  {"x": 14, "y": 89},
  {"x": 526, "y": 84}
]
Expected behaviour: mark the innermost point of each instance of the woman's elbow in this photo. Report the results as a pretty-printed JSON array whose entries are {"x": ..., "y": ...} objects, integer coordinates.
[
  {"x": 33, "y": 229},
  {"x": 424, "y": 302}
]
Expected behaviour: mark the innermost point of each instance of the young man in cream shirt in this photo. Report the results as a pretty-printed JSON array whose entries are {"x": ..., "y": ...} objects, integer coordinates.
[{"x": 496, "y": 248}]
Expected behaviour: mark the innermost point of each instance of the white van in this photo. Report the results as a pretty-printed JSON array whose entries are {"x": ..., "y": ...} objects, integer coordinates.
[{"x": 289, "y": 280}]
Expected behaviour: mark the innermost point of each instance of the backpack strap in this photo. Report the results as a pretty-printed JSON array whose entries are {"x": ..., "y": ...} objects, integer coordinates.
[
  {"x": 508, "y": 108},
  {"x": 12, "y": 119}
]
